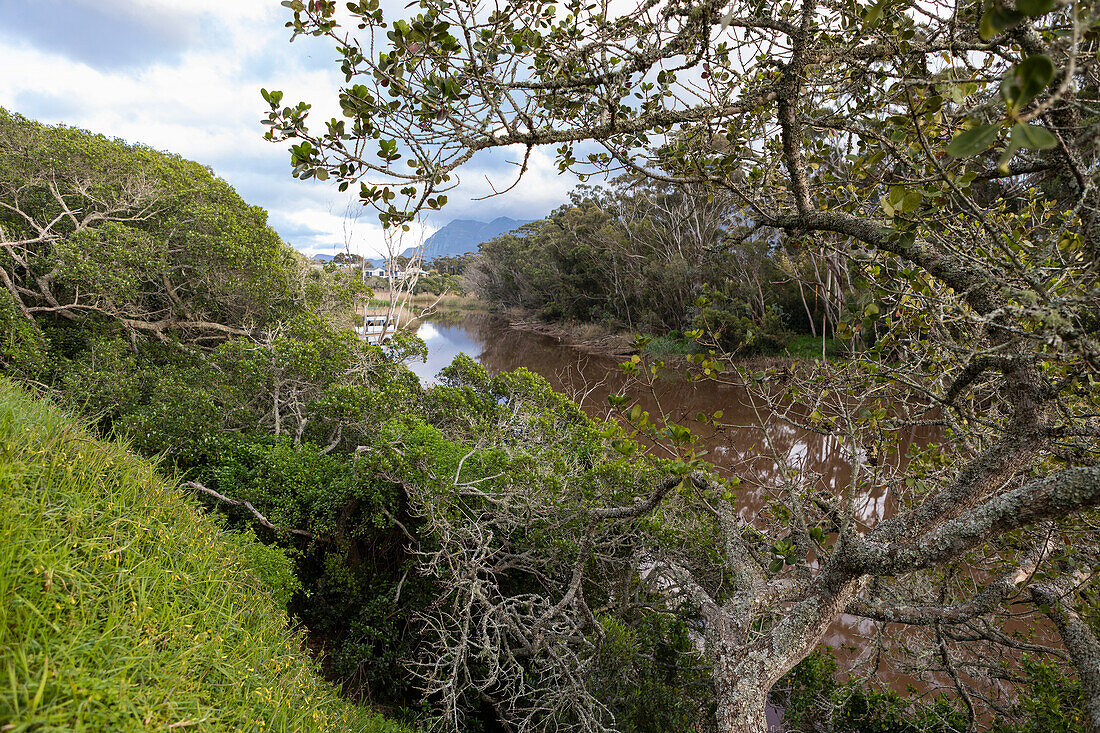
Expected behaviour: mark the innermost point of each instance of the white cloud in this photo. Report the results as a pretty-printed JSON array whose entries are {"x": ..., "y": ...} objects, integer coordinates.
[
  {"x": 203, "y": 103},
  {"x": 541, "y": 189}
]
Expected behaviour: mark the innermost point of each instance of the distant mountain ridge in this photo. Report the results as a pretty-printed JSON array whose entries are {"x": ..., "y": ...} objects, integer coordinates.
[{"x": 464, "y": 235}]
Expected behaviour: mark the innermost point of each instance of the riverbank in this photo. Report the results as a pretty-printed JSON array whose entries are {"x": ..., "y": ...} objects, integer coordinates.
[
  {"x": 674, "y": 348},
  {"x": 446, "y": 303},
  {"x": 600, "y": 340}
]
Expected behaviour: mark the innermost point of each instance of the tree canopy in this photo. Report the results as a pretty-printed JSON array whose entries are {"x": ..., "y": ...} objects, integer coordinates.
[
  {"x": 96, "y": 228},
  {"x": 946, "y": 151}
]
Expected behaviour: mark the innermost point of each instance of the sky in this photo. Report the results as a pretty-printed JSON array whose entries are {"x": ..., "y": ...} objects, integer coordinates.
[{"x": 184, "y": 76}]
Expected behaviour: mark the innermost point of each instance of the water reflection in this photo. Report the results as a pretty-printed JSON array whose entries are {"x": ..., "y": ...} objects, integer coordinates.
[{"x": 738, "y": 445}]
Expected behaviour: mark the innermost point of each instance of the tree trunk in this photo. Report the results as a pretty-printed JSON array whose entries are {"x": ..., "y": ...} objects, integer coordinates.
[
  {"x": 745, "y": 672},
  {"x": 742, "y": 700},
  {"x": 1082, "y": 645}
]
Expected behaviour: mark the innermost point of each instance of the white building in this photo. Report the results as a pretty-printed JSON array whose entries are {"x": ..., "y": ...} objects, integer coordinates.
[{"x": 413, "y": 271}]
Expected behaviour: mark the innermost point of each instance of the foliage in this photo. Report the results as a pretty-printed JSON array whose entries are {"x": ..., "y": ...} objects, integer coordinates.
[
  {"x": 298, "y": 485},
  {"x": 270, "y": 410},
  {"x": 814, "y": 700},
  {"x": 128, "y": 608},
  {"x": 639, "y": 256},
  {"x": 24, "y": 342},
  {"x": 643, "y": 673},
  {"x": 508, "y": 520},
  {"x": 1051, "y": 701},
  {"x": 733, "y": 330},
  {"x": 452, "y": 264},
  {"x": 933, "y": 164},
  {"x": 333, "y": 452},
  {"x": 97, "y": 228},
  {"x": 439, "y": 284}
]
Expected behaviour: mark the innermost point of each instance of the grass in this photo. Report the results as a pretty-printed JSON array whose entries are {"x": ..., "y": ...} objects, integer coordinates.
[
  {"x": 441, "y": 303},
  {"x": 123, "y": 607},
  {"x": 672, "y": 345},
  {"x": 809, "y": 347}
]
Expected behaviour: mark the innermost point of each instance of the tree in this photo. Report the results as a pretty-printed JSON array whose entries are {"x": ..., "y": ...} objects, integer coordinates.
[
  {"x": 636, "y": 256},
  {"x": 946, "y": 153},
  {"x": 92, "y": 228}
]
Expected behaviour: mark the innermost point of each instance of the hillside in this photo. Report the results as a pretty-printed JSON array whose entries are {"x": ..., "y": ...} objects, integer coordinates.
[
  {"x": 127, "y": 608},
  {"x": 464, "y": 235}
]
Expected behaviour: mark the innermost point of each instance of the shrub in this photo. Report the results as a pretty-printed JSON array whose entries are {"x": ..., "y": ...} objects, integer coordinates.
[{"x": 730, "y": 325}]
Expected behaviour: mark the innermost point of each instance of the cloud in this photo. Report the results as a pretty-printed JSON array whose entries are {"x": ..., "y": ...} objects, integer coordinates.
[
  {"x": 185, "y": 77},
  {"x": 101, "y": 34},
  {"x": 541, "y": 189}
]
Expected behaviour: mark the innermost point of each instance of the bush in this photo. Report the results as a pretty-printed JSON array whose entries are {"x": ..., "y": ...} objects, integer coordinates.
[
  {"x": 439, "y": 284},
  {"x": 814, "y": 701},
  {"x": 729, "y": 324}
]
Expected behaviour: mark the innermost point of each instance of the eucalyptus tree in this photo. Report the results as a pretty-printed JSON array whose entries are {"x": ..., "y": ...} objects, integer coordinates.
[{"x": 946, "y": 151}]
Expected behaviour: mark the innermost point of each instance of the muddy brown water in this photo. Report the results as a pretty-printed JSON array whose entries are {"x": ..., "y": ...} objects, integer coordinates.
[{"x": 738, "y": 447}]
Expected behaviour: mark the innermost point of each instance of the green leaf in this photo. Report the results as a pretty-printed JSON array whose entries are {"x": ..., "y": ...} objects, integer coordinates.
[
  {"x": 911, "y": 201},
  {"x": 874, "y": 13},
  {"x": 1033, "y": 137},
  {"x": 1035, "y": 8},
  {"x": 972, "y": 141},
  {"x": 996, "y": 20},
  {"x": 905, "y": 239},
  {"x": 933, "y": 104},
  {"x": 1026, "y": 80},
  {"x": 775, "y": 565}
]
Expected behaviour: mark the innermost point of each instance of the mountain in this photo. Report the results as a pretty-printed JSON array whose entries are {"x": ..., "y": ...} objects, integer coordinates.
[
  {"x": 342, "y": 258},
  {"x": 464, "y": 235}
]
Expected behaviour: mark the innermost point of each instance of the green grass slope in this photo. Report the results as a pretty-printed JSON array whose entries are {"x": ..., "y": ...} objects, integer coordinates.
[{"x": 124, "y": 608}]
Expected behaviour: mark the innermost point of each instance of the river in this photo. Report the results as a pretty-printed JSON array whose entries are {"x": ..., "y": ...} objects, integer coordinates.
[{"x": 738, "y": 447}]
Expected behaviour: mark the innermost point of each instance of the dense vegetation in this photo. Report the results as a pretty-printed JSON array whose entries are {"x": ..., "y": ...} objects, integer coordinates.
[
  {"x": 943, "y": 156},
  {"x": 656, "y": 259},
  {"x": 244, "y": 385},
  {"x": 128, "y": 608},
  {"x": 481, "y": 555}
]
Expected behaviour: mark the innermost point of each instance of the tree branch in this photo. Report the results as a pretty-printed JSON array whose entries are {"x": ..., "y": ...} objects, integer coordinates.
[{"x": 255, "y": 513}]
